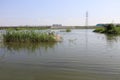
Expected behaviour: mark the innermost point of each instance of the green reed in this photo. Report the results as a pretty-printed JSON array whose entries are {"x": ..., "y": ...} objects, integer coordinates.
[{"x": 27, "y": 36}]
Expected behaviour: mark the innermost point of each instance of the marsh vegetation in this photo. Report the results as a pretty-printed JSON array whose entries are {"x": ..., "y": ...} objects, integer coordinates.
[
  {"x": 108, "y": 29},
  {"x": 68, "y": 30},
  {"x": 28, "y": 36}
]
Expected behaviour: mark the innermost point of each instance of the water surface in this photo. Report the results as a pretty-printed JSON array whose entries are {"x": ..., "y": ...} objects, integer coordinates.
[{"x": 82, "y": 55}]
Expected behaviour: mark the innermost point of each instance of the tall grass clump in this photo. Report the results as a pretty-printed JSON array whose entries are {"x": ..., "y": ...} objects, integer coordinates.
[
  {"x": 68, "y": 30},
  {"x": 27, "y": 36}
]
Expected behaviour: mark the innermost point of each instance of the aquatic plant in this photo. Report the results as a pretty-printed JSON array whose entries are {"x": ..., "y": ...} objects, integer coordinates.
[
  {"x": 68, "y": 30},
  {"x": 27, "y": 36}
]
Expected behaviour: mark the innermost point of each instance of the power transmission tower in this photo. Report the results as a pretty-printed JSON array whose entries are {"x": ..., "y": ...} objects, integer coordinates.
[
  {"x": 86, "y": 22},
  {"x": 86, "y": 30}
]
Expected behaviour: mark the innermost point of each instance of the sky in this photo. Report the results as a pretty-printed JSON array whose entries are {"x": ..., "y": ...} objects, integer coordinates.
[{"x": 65, "y": 12}]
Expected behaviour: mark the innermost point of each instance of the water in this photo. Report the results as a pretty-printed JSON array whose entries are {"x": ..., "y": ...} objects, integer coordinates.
[{"x": 82, "y": 55}]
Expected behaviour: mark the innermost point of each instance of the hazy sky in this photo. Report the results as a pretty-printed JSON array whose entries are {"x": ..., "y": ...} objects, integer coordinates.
[{"x": 66, "y": 12}]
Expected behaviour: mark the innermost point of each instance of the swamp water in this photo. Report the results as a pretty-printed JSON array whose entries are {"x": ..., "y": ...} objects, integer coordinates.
[{"x": 82, "y": 55}]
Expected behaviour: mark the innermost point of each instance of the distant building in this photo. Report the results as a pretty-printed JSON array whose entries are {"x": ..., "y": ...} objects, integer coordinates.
[
  {"x": 100, "y": 25},
  {"x": 57, "y": 25}
]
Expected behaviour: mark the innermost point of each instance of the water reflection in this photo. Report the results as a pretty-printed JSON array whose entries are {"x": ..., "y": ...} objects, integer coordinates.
[
  {"x": 28, "y": 46},
  {"x": 111, "y": 39}
]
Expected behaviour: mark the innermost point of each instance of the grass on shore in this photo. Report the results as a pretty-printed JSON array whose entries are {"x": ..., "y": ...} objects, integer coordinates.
[
  {"x": 25, "y": 28},
  {"x": 99, "y": 30},
  {"x": 28, "y": 36},
  {"x": 108, "y": 29}
]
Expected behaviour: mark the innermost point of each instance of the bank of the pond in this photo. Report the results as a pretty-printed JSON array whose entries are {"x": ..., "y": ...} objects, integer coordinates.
[
  {"x": 108, "y": 29},
  {"x": 30, "y": 36}
]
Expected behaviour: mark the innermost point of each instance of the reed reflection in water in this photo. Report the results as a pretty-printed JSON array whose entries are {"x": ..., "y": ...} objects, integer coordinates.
[
  {"x": 25, "y": 49},
  {"x": 28, "y": 46}
]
